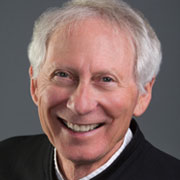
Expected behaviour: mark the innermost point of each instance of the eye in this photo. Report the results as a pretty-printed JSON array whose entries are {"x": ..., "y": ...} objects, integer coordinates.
[
  {"x": 62, "y": 74},
  {"x": 107, "y": 79},
  {"x": 64, "y": 78}
]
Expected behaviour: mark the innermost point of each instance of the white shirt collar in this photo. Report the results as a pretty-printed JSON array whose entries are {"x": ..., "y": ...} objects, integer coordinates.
[{"x": 126, "y": 141}]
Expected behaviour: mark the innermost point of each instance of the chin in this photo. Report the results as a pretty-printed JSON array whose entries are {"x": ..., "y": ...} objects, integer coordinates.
[{"x": 85, "y": 155}]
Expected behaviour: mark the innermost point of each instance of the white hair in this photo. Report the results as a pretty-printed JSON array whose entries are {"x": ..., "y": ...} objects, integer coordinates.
[{"x": 147, "y": 45}]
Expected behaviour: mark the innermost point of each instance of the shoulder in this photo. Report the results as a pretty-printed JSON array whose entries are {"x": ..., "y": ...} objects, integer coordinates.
[
  {"x": 156, "y": 164},
  {"x": 142, "y": 161},
  {"x": 152, "y": 154},
  {"x": 20, "y": 143},
  {"x": 161, "y": 159},
  {"x": 152, "y": 162},
  {"x": 22, "y": 152},
  {"x": 21, "y": 139}
]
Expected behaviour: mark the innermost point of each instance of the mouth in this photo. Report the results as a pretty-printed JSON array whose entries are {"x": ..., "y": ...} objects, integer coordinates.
[{"x": 80, "y": 128}]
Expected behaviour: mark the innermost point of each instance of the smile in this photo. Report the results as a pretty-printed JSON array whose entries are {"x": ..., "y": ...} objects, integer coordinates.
[{"x": 80, "y": 128}]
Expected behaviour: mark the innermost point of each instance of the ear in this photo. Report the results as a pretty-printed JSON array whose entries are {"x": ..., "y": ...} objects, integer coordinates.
[
  {"x": 33, "y": 86},
  {"x": 144, "y": 99}
]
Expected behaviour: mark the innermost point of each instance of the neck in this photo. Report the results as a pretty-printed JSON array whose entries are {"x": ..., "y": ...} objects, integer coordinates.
[{"x": 75, "y": 170}]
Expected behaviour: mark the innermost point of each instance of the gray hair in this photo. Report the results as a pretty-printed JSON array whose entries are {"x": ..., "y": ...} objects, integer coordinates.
[{"x": 147, "y": 45}]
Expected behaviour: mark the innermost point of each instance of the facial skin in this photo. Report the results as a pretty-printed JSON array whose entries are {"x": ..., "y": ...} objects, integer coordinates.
[{"x": 88, "y": 80}]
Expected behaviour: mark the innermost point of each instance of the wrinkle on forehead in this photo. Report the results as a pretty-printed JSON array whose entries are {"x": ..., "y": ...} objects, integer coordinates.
[
  {"x": 74, "y": 28},
  {"x": 91, "y": 30}
]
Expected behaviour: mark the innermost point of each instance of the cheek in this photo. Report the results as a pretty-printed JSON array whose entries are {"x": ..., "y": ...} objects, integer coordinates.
[
  {"x": 53, "y": 96},
  {"x": 119, "y": 104},
  {"x": 50, "y": 98}
]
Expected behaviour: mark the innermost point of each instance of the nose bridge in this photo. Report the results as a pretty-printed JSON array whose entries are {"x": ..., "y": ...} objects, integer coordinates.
[{"x": 82, "y": 100}]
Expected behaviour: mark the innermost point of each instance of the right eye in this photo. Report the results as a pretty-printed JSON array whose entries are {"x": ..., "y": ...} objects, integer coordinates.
[
  {"x": 62, "y": 74},
  {"x": 63, "y": 78}
]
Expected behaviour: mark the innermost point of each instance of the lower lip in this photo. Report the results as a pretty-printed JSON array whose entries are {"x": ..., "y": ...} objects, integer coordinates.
[{"x": 79, "y": 134}]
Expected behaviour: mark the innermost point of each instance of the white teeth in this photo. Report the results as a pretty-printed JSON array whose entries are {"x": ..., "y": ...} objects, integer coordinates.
[{"x": 81, "y": 128}]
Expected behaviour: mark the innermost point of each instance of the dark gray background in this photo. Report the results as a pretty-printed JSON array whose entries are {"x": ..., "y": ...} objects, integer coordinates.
[{"x": 161, "y": 121}]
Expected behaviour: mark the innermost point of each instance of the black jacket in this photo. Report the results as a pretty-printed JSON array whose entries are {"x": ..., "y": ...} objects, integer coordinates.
[{"x": 31, "y": 158}]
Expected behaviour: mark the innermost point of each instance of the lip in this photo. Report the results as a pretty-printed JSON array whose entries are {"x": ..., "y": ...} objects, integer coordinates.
[{"x": 75, "y": 133}]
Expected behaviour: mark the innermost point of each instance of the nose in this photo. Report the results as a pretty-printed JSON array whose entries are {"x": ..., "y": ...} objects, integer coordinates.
[{"x": 82, "y": 100}]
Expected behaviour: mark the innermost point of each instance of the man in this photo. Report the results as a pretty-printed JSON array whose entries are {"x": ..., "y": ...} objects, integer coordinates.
[{"x": 93, "y": 66}]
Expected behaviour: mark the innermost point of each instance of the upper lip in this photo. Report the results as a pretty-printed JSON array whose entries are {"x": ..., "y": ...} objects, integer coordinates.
[{"x": 80, "y": 124}]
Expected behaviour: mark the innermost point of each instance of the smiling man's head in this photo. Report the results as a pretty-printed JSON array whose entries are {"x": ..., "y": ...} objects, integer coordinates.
[{"x": 93, "y": 65}]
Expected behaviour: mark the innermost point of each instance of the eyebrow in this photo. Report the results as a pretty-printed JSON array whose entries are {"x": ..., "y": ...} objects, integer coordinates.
[
  {"x": 55, "y": 65},
  {"x": 112, "y": 72}
]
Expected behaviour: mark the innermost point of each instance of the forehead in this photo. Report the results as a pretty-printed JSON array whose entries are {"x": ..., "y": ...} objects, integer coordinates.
[
  {"x": 91, "y": 40},
  {"x": 88, "y": 27}
]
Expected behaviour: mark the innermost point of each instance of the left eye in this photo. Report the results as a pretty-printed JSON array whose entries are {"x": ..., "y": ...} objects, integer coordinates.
[{"x": 107, "y": 79}]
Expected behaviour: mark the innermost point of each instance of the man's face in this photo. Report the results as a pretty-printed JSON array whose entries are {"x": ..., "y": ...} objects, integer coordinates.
[{"x": 86, "y": 91}]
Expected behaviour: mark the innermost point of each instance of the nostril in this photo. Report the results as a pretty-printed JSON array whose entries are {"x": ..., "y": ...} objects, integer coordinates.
[
  {"x": 70, "y": 104},
  {"x": 82, "y": 101}
]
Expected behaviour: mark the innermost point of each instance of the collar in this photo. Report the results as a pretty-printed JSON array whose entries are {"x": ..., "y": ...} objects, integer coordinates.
[{"x": 127, "y": 139}]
